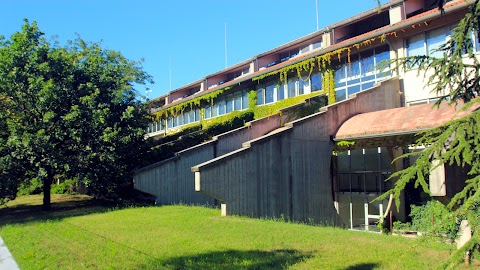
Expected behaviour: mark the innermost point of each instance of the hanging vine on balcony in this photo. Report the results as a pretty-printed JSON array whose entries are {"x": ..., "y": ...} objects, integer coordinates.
[
  {"x": 195, "y": 102},
  {"x": 323, "y": 61},
  {"x": 328, "y": 82}
]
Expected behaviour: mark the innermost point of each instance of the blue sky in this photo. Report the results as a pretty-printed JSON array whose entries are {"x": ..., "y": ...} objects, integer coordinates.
[{"x": 186, "y": 37}]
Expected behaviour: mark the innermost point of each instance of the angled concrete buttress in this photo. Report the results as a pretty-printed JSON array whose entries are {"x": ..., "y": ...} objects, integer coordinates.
[
  {"x": 287, "y": 173},
  {"x": 172, "y": 181}
]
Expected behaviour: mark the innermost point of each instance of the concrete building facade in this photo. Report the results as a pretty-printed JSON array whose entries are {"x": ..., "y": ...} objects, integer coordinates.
[{"x": 292, "y": 167}]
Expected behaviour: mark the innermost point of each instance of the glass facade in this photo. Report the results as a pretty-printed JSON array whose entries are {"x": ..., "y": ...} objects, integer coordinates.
[
  {"x": 427, "y": 43},
  {"x": 235, "y": 101},
  {"x": 361, "y": 73},
  {"x": 364, "y": 170}
]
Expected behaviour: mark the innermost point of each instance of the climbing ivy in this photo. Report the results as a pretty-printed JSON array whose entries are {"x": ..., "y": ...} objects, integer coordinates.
[
  {"x": 328, "y": 83},
  {"x": 245, "y": 115},
  {"x": 270, "y": 109},
  {"x": 195, "y": 102},
  {"x": 322, "y": 61}
]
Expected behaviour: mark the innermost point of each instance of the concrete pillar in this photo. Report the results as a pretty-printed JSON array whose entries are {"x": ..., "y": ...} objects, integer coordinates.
[
  {"x": 326, "y": 40},
  {"x": 252, "y": 67},
  {"x": 396, "y": 14},
  {"x": 223, "y": 209}
]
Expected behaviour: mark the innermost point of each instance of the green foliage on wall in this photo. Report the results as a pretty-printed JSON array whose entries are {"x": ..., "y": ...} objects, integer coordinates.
[
  {"x": 167, "y": 146},
  {"x": 192, "y": 103},
  {"x": 328, "y": 82},
  {"x": 252, "y": 99},
  {"x": 269, "y": 109},
  {"x": 227, "y": 119},
  {"x": 323, "y": 62},
  {"x": 306, "y": 65}
]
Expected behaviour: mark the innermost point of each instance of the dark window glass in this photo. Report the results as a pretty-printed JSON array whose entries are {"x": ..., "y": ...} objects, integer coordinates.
[
  {"x": 340, "y": 76},
  {"x": 260, "y": 99},
  {"x": 353, "y": 71},
  {"x": 382, "y": 54},
  {"x": 340, "y": 95},
  {"x": 316, "y": 82},
  {"x": 197, "y": 115},
  {"x": 238, "y": 101},
  {"x": 280, "y": 92},
  {"x": 244, "y": 100},
  {"x": 367, "y": 65},
  {"x": 292, "y": 88},
  {"x": 215, "y": 109},
  {"x": 208, "y": 112},
  {"x": 353, "y": 89},
  {"x": 221, "y": 107},
  {"x": 269, "y": 91},
  {"x": 229, "y": 103}
]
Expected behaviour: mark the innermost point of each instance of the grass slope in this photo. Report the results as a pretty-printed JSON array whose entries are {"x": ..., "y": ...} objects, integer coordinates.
[{"x": 79, "y": 234}]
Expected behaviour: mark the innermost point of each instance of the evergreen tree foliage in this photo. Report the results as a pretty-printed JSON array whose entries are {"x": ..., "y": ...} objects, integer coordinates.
[
  {"x": 68, "y": 111},
  {"x": 458, "y": 141}
]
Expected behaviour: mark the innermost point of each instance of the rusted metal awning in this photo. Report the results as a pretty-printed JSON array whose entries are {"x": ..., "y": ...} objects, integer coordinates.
[{"x": 404, "y": 121}]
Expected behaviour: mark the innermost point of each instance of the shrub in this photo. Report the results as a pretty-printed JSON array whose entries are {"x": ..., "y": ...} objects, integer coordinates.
[
  {"x": 435, "y": 218},
  {"x": 31, "y": 187},
  {"x": 66, "y": 187}
]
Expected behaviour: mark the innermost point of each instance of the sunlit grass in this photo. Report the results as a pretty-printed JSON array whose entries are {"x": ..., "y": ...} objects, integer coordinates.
[{"x": 184, "y": 237}]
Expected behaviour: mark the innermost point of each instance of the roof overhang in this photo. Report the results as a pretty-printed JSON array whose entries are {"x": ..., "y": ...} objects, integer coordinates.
[{"x": 399, "y": 126}]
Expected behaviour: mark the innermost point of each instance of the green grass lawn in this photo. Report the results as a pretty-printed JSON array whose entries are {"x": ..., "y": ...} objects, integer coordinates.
[{"x": 80, "y": 234}]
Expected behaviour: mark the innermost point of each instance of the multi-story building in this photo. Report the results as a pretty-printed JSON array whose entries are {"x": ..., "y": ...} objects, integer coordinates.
[{"x": 282, "y": 166}]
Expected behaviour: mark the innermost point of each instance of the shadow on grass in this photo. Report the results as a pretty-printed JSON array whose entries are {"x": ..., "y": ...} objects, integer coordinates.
[
  {"x": 234, "y": 259},
  {"x": 71, "y": 207},
  {"x": 363, "y": 266}
]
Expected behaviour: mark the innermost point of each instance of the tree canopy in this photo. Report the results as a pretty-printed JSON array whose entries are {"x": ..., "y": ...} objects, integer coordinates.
[
  {"x": 68, "y": 111},
  {"x": 458, "y": 141}
]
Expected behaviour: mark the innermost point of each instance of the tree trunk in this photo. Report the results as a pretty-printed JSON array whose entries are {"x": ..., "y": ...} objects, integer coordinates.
[{"x": 47, "y": 183}]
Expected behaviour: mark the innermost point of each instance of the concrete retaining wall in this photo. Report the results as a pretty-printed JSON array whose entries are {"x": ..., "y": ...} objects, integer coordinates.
[
  {"x": 172, "y": 181},
  {"x": 287, "y": 173}
]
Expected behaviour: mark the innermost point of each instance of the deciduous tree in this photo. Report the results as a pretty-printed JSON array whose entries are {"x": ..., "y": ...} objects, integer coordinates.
[{"x": 69, "y": 111}]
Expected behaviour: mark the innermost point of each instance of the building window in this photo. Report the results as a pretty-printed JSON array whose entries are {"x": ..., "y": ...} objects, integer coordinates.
[
  {"x": 197, "y": 114},
  {"x": 215, "y": 110},
  {"x": 260, "y": 96},
  {"x": 207, "y": 112},
  {"x": 316, "y": 82},
  {"x": 476, "y": 42},
  {"x": 237, "y": 104},
  {"x": 292, "y": 87},
  {"x": 221, "y": 107},
  {"x": 269, "y": 93},
  {"x": 229, "y": 103},
  {"x": 280, "y": 91},
  {"x": 317, "y": 45},
  {"x": 435, "y": 39},
  {"x": 426, "y": 43},
  {"x": 305, "y": 49},
  {"x": 361, "y": 73},
  {"x": 244, "y": 100},
  {"x": 287, "y": 55}
]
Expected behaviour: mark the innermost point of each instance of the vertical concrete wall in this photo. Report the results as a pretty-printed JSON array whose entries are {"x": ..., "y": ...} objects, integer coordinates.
[
  {"x": 287, "y": 173},
  {"x": 172, "y": 180},
  {"x": 272, "y": 177}
]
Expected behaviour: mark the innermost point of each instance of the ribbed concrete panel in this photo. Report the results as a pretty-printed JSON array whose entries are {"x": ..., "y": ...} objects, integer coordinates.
[
  {"x": 172, "y": 180},
  {"x": 287, "y": 173},
  {"x": 231, "y": 141}
]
